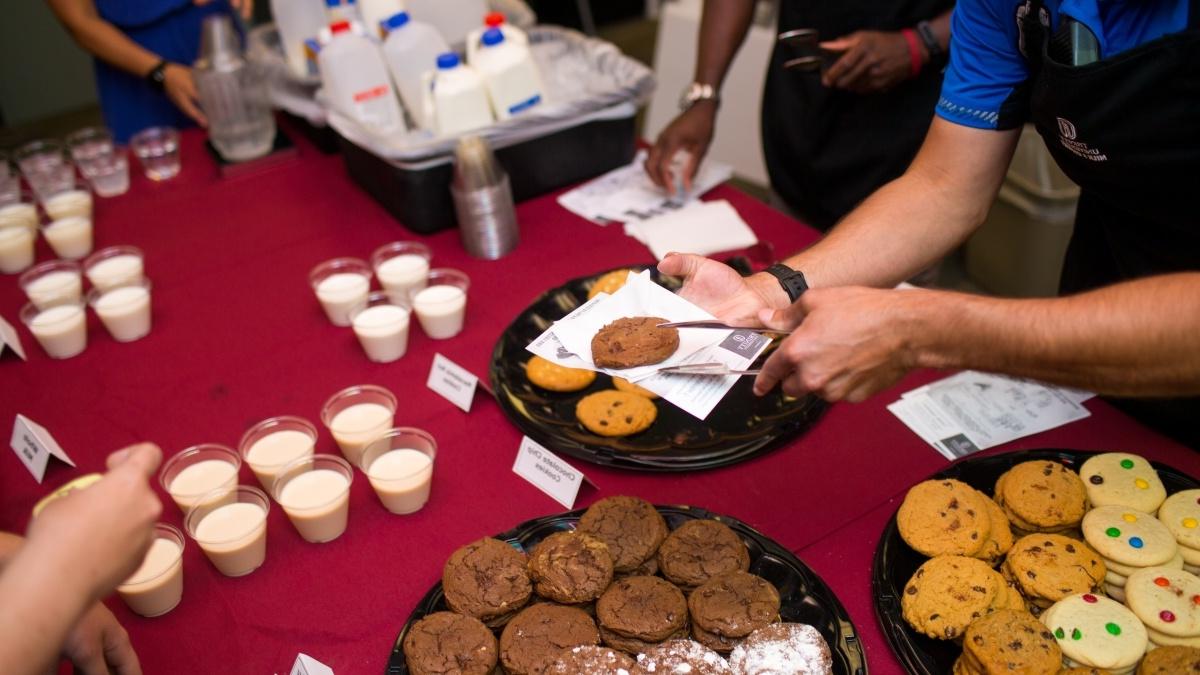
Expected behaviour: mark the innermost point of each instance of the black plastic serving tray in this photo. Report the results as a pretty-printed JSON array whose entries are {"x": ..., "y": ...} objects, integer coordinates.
[
  {"x": 805, "y": 598},
  {"x": 895, "y": 562},
  {"x": 420, "y": 198}
]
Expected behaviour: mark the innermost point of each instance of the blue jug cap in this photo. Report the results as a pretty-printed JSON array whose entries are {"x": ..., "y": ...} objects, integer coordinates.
[
  {"x": 492, "y": 37},
  {"x": 447, "y": 61}
]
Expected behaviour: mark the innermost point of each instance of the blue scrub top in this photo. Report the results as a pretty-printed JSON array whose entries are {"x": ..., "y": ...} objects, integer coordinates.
[{"x": 170, "y": 29}]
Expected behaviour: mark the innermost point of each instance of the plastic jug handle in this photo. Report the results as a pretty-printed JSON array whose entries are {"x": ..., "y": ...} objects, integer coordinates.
[
  {"x": 473, "y": 45},
  {"x": 427, "y": 98}
]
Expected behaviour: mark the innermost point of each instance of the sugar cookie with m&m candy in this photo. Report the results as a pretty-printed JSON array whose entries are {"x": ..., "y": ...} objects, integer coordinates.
[
  {"x": 1181, "y": 514},
  {"x": 1128, "y": 537},
  {"x": 1122, "y": 479},
  {"x": 1096, "y": 632},
  {"x": 1166, "y": 600}
]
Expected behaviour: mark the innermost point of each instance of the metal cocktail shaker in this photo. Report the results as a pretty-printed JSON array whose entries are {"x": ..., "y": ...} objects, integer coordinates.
[
  {"x": 483, "y": 201},
  {"x": 232, "y": 94}
]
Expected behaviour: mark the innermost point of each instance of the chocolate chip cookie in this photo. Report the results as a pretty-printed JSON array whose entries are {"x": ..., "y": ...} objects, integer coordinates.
[
  {"x": 634, "y": 341},
  {"x": 1041, "y": 496},
  {"x": 783, "y": 648},
  {"x": 734, "y": 605},
  {"x": 947, "y": 593},
  {"x": 1000, "y": 536},
  {"x": 538, "y": 634},
  {"x": 446, "y": 641},
  {"x": 644, "y": 608},
  {"x": 553, "y": 377},
  {"x": 1010, "y": 640},
  {"x": 486, "y": 579},
  {"x": 615, "y": 413},
  {"x": 1170, "y": 661},
  {"x": 700, "y": 550},
  {"x": 632, "y": 528},
  {"x": 589, "y": 660},
  {"x": 681, "y": 656},
  {"x": 1049, "y": 567},
  {"x": 570, "y": 567},
  {"x": 944, "y": 517}
]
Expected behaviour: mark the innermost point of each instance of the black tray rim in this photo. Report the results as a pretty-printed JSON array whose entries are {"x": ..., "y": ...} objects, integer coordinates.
[
  {"x": 811, "y": 411},
  {"x": 849, "y": 645},
  {"x": 886, "y": 603}
]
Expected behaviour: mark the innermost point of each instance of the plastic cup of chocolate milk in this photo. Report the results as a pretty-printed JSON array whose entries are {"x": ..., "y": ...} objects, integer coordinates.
[
  {"x": 231, "y": 528},
  {"x": 157, "y": 585},
  {"x": 400, "y": 467},
  {"x": 315, "y": 493}
]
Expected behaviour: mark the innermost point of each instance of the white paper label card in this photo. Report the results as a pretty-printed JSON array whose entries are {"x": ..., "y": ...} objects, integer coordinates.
[
  {"x": 307, "y": 665},
  {"x": 548, "y": 472},
  {"x": 10, "y": 338},
  {"x": 453, "y": 382},
  {"x": 35, "y": 446}
]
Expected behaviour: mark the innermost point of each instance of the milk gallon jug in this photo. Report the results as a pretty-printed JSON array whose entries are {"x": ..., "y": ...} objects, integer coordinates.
[
  {"x": 456, "y": 98},
  {"x": 356, "y": 81},
  {"x": 297, "y": 21},
  {"x": 508, "y": 70},
  {"x": 411, "y": 49}
]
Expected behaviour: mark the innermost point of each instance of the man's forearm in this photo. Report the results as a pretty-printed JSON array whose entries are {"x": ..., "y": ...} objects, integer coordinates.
[
  {"x": 102, "y": 39},
  {"x": 1137, "y": 338},
  {"x": 723, "y": 27}
]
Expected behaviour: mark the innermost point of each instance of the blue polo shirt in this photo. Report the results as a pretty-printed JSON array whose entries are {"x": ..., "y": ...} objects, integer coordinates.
[{"x": 986, "y": 67}]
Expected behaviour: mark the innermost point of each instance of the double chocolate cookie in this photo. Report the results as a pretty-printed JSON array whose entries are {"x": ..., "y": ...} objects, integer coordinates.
[
  {"x": 570, "y": 567},
  {"x": 730, "y": 607},
  {"x": 537, "y": 635},
  {"x": 632, "y": 528},
  {"x": 486, "y": 579},
  {"x": 636, "y": 612},
  {"x": 634, "y": 341},
  {"x": 445, "y": 642},
  {"x": 700, "y": 550}
]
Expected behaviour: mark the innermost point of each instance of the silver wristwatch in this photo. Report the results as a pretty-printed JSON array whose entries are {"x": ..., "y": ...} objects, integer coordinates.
[{"x": 696, "y": 92}]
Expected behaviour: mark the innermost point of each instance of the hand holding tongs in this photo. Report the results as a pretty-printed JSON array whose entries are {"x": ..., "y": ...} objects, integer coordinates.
[
  {"x": 705, "y": 369},
  {"x": 720, "y": 326}
]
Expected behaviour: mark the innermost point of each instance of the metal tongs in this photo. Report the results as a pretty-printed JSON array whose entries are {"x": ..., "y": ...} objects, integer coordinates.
[
  {"x": 719, "y": 326},
  {"x": 705, "y": 369}
]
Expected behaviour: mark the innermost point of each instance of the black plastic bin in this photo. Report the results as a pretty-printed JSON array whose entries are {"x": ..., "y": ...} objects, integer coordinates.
[{"x": 420, "y": 197}]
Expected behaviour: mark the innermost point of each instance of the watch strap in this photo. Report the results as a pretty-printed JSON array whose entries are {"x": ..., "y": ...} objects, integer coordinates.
[
  {"x": 157, "y": 77},
  {"x": 792, "y": 281},
  {"x": 697, "y": 92},
  {"x": 929, "y": 39}
]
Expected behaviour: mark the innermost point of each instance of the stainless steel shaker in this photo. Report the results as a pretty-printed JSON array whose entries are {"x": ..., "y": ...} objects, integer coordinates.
[
  {"x": 483, "y": 201},
  {"x": 232, "y": 94}
]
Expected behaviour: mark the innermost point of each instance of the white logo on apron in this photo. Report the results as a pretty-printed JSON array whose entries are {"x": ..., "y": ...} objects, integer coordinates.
[{"x": 1066, "y": 136}]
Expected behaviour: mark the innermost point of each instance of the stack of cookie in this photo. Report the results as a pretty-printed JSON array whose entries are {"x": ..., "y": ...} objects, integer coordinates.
[
  {"x": 1096, "y": 632},
  {"x": 639, "y": 612},
  {"x": 1122, "y": 479},
  {"x": 1170, "y": 660},
  {"x": 448, "y": 637},
  {"x": 949, "y": 517},
  {"x": 730, "y": 607},
  {"x": 1181, "y": 514},
  {"x": 487, "y": 580},
  {"x": 948, "y": 593},
  {"x": 1129, "y": 540},
  {"x": 1041, "y": 496},
  {"x": 1048, "y": 567},
  {"x": 1008, "y": 640},
  {"x": 1168, "y": 602}
]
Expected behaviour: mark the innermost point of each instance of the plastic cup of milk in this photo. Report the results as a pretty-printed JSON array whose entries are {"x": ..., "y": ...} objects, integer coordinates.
[
  {"x": 400, "y": 468},
  {"x": 358, "y": 415},
  {"x": 16, "y": 247},
  {"x": 231, "y": 528},
  {"x": 315, "y": 493},
  {"x": 382, "y": 327},
  {"x": 124, "y": 310},
  {"x": 48, "y": 282},
  {"x": 341, "y": 284},
  {"x": 75, "y": 201},
  {"x": 70, "y": 237},
  {"x": 115, "y": 266},
  {"x": 401, "y": 266},
  {"x": 442, "y": 305},
  {"x": 157, "y": 585},
  {"x": 200, "y": 472},
  {"x": 60, "y": 327},
  {"x": 19, "y": 213},
  {"x": 273, "y": 443}
]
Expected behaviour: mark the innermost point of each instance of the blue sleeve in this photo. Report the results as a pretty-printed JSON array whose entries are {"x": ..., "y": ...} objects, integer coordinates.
[{"x": 984, "y": 83}]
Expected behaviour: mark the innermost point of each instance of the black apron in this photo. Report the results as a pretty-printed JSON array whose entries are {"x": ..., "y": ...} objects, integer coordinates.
[
  {"x": 828, "y": 149},
  {"x": 1127, "y": 130}
]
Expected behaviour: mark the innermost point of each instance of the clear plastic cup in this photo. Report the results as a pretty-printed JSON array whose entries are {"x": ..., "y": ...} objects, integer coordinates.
[
  {"x": 273, "y": 443},
  {"x": 441, "y": 306},
  {"x": 157, "y": 148},
  {"x": 231, "y": 528},
  {"x": 108, "y": 174},
  {"x": 70, "y": 238},
  {"x": 10, "y": 185},
  {"x": 48, "y": 282},
  {"x": 71, "y": 198},
  {"x": 55, "y": 181},
  {"x": 16, "y": 247},
  {"x": 19, "y": 213},
  {"x": 401, "y": 266},
  {"x": 315, "y": 493},
  {"x": 115, "y": 266},
  {"x": 357, "y": 415},
  {"x": 382, "y": 327},
  {"x": 38, "y": 156},
  {"x": 124, "y": 310},
  {"x": 157, "y": 586},
  {"x": 399, "y": 466},
  {"x": 60, "y": 327},
  {"x": 88, "y": 144},
  {"x": 340, "y": 285},
  {"x": 198, "y": 472}
]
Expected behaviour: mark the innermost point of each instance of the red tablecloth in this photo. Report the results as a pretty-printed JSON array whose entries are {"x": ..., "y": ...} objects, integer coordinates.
[{"x": 238, "y": 337}]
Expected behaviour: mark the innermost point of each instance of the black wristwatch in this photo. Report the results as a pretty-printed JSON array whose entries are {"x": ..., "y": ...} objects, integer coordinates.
[
  {"x": 925, "y": 32},
  {"x": 791, "y": 280},
  {"x": 158, "y": 76}
]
